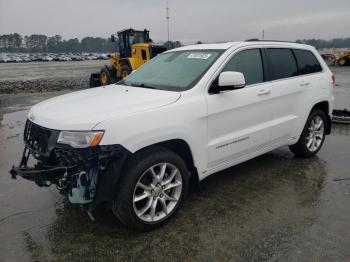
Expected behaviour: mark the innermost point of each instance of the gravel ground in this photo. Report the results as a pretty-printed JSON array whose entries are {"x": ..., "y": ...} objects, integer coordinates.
[
  {"x": 47, "y": 76},
  {"x": 272, "y": 208}
]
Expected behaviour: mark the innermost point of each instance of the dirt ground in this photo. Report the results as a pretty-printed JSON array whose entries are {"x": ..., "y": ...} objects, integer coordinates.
[{"x": 273, "y": 208}]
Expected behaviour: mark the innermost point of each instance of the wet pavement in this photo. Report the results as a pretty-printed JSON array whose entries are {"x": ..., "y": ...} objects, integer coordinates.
[{"x": 273, "y": 208}]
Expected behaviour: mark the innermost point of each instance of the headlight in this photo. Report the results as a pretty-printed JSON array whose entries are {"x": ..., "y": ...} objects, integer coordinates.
[{"x": 80, "y": 139}]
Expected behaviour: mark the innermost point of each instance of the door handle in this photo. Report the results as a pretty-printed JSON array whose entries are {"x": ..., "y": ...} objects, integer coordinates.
[{"x": 263, "y": 92}]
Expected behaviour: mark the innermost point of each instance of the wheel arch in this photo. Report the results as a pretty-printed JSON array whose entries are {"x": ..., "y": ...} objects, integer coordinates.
[
  {"x": 325, "y": 107},
  {"x": 182, "y": 148}
]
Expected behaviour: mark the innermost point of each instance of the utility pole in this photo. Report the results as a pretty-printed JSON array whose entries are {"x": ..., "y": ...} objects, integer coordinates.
[
  {"x": 167, "y": 17},
  {"x": 263, "y": 34}
]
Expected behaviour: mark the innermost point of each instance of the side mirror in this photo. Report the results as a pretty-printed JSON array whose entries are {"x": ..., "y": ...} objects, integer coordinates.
[{"x": 228, "y": 81}]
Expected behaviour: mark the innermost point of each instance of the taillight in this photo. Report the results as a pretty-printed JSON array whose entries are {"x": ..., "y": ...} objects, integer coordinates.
[{"x": 333, "y": 79}]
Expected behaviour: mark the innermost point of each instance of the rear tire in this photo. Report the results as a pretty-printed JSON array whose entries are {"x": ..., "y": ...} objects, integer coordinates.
[
  {"x": 153, "y": 187},
  {"x": 313, "y": 135},
  {"x": 94, "y": 80}
]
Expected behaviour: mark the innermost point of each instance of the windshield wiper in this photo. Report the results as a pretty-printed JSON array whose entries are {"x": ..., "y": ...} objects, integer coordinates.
[
  {"x": 142, "y": 85},
  {"x": 123, "y": 83}
]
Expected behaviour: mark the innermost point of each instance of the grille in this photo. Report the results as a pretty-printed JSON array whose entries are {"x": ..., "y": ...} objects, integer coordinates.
[
  {"x": 40, "y": 140},
  {"x": 67, "y": 156}
]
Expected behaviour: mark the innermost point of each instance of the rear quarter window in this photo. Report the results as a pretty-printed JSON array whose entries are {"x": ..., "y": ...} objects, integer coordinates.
[
  {"x": 281, "y": 63},
  {"x": 307, "y": 62}
]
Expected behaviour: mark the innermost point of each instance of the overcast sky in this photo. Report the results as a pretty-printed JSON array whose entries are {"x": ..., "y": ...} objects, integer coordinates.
[{"x": 190, "y": 20}]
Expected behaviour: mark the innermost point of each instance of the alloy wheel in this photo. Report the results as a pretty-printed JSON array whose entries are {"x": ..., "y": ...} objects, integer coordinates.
[
  {"x": 157, "y": 192},
  {"x": 315, "y": 133}
]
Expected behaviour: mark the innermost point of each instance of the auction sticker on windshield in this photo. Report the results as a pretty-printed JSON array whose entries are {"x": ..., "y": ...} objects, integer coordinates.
[{"x": 199, "y": 56}]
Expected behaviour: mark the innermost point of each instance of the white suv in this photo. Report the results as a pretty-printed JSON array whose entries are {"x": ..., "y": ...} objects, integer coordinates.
[{"x": 139, "y": 144}]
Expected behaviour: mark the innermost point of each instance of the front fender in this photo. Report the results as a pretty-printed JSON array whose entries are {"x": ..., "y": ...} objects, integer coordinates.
[
  {"x": 134, "y": 141},
  {"x": 139, "y": 131}
]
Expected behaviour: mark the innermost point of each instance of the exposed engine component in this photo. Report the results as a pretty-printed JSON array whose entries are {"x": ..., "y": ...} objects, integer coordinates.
[{"x": 85, "y": 187}]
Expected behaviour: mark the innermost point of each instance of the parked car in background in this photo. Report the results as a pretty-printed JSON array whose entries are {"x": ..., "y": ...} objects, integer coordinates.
[
  {"x": 49, "y": 57},
  {"x": 330, "y": 59},
  {"x": 4, "y": 59}
]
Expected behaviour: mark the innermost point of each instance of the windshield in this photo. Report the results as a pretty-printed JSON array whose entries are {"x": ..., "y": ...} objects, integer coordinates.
[
  {"x": 136, "y": 38},
  {"x": 173, "y": 71}
]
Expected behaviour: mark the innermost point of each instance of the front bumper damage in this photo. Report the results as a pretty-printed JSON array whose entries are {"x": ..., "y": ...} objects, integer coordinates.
[{"x": 88, "y": 176}]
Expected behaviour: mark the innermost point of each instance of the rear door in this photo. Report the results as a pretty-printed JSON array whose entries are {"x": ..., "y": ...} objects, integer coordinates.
[
  {"x": 314, "y": 84},
  {"x": 286, "y": 92},
  {"x": 294, "y": 74}
]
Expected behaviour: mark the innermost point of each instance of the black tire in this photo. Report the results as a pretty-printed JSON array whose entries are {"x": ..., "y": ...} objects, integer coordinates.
[
  {"x": 301, "y": 149},
  {"x": 110, "y": 74},
  {"x": 123, "y": 205},
  {"x": 125, "y": 70},
  {"x": 94, "y": 80},
  {"x": 105, "y": 78}
]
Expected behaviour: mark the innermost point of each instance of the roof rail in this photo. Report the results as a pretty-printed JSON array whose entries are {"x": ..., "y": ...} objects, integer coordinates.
[
  {"x": 263, "y": 40},
  {"x": 252, "y": 39}
]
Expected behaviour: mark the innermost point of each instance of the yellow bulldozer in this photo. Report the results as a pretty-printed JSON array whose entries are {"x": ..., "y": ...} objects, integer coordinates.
[
  {"x": 344, "y": 58},
  {"x": 134, "y": 48}
]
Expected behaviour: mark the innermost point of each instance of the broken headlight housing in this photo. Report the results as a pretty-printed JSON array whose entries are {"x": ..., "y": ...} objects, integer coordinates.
[{"x": 80, "y": 139}]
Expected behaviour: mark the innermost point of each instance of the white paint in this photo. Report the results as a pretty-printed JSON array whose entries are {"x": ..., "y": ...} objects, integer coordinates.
[{"x": 221, "y": 129}]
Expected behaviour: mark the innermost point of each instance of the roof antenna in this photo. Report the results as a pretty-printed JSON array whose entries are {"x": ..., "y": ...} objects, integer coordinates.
[{"x": 167, "y": 17}]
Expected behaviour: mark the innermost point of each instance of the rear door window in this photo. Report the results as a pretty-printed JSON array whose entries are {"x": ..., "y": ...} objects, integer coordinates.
[
  {"x": 281, "y": 63},
  {"x": 249, "y": 63},
  {"x": 307, "y": 62}
]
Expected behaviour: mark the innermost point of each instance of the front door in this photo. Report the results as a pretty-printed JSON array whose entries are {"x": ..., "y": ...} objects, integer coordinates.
[{"x": 239, "y": 121}]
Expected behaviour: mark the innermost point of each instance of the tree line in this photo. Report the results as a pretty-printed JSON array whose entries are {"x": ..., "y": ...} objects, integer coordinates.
[
  {"x": 38, "y": 43},
  {"x": 332, "y": 43}
]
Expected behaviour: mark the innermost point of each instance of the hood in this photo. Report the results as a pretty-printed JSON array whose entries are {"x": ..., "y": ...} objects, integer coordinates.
[{"x": 82, "y": 110}]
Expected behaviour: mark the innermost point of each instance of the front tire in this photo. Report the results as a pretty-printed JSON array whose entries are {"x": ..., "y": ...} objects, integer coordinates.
[
  {"x": 153, "y": 187},
  {"x": 125, "y": 71},
  {"x": 107, "y": 75},
  {"x": 313, "y": 135}
]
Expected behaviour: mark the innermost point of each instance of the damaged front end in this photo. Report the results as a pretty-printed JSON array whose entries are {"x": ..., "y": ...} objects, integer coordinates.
[{"x": 87, "y": 176}]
